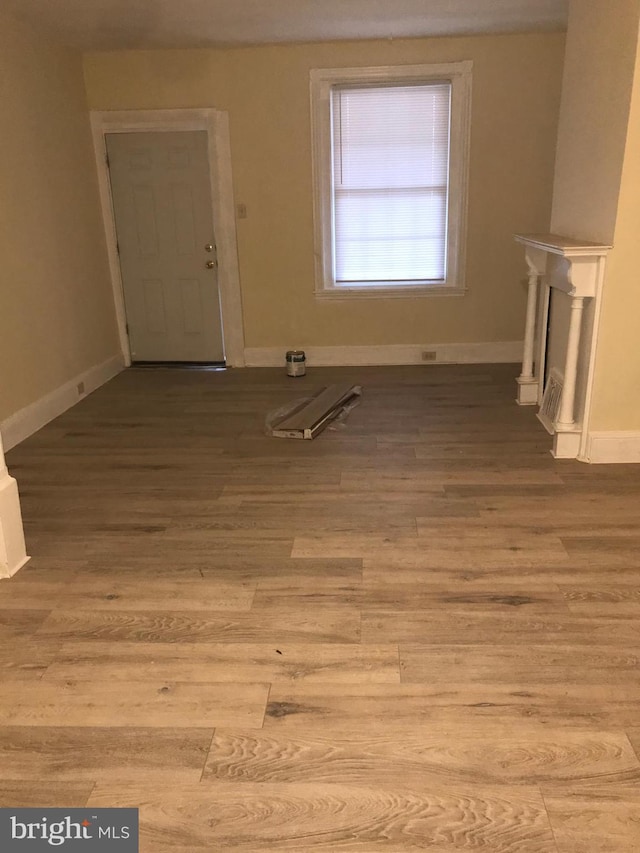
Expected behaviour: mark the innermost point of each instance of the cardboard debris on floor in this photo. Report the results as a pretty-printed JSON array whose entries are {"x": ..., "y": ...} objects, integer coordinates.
[{"x": 310, "y": 417}]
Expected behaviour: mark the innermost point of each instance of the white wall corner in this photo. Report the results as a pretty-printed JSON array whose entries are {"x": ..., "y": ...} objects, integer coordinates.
[
  {"x": 398, "y": 354},
  {"x": 609, "y": 447},
  {"x": 12, "y": 548},
  {"x": 29, "y": 420}
]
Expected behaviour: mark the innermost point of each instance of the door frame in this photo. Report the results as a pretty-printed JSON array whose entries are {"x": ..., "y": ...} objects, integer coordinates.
[{"x": 216, "y": 125}]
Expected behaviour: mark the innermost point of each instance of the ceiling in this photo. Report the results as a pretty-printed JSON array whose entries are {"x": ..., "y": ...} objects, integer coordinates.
[{"x": 112, "y": 24}]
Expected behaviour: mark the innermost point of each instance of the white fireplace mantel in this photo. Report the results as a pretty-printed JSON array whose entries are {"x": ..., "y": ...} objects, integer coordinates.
[{"x": 577, "y": 269}]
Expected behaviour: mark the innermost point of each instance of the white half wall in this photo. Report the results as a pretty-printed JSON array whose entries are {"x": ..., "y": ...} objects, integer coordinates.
[{"x": 12, "y": 548}]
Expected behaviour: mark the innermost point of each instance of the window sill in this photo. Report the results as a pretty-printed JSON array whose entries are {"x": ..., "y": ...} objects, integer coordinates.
[{"x": 388, "y": 292}]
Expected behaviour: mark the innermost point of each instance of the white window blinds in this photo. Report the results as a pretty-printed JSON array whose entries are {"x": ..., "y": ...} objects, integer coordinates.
[{"x": 390, "y": 183}]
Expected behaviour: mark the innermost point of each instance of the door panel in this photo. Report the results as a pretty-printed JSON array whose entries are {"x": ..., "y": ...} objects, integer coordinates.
[
  {"x": 154, "y": 306},
  {"x": 162, "y": 204},
  {"x": 191, "y": 307}
]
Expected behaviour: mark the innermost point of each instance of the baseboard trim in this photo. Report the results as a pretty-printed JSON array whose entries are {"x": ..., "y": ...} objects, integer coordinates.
[
  {"x": 609, "y": 447},
  {"x": 26, "y": 421},
  {"x": 7, "y": 572},
  {"x": 475, "y": 353}
]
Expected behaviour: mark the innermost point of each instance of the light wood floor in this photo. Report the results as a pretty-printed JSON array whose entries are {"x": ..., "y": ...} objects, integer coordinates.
[{"x": 418, "y": 631}]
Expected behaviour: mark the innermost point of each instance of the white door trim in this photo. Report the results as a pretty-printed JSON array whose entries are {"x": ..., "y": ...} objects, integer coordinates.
[{"x": 216, "y": 124}]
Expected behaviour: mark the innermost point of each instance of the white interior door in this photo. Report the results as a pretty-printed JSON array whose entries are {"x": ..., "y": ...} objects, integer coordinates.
[{"x": 164, "y": 222}]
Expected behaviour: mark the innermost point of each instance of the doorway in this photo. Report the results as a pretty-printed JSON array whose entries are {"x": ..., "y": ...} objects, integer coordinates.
[{"x": 189, "y": 315}]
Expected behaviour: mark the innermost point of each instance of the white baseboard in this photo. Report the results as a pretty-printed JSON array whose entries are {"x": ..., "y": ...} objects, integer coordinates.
[
  {"x": 612, "y": 447},
  {"x": 345, "y": 356},
  {"x": 26, "y": 421}
]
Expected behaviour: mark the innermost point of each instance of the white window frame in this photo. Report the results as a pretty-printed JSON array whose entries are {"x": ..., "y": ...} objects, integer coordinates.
[{"x": 322, "y": 82}]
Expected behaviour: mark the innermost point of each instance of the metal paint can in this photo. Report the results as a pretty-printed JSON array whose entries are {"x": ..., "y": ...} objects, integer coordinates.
[{"x": 296, "y": 362}]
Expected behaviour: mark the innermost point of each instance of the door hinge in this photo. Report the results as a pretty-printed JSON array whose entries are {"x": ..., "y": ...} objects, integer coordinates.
[
  {"x": 117, "y": 247},
  {"x": 126, "y": 325},
  {"x": 106, "y": 160}
]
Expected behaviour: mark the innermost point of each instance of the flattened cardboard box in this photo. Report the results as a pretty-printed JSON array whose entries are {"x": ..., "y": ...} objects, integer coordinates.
[{"x": 312, "y": 416}]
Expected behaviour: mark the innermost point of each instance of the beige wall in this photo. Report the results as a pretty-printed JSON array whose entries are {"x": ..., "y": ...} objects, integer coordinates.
[
  {"x": 56, "y": 308},
  {"x": 617, "y": 385},
  {"x": 598, "y": 74},
  {"x": 596, "y": 192},
  {"x": 516, "y": 90}
]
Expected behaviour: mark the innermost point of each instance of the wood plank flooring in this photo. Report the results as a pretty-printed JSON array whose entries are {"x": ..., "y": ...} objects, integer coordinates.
[{"x": 417, "y": 632}]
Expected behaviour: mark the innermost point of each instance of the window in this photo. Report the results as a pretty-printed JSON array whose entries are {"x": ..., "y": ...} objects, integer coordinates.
[{"x": 390, "y": 166}]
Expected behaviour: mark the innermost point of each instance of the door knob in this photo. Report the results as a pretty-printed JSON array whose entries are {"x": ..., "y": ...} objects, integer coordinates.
[
  {"x": 210, "y": 265},
  {"x": 209, "y": 247}
]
